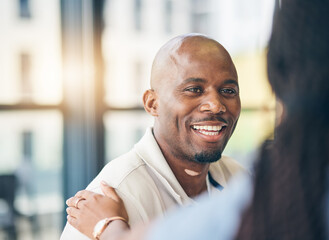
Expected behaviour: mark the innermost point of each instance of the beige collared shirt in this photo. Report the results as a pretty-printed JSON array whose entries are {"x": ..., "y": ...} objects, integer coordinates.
[{"x": 146, "y": 184}]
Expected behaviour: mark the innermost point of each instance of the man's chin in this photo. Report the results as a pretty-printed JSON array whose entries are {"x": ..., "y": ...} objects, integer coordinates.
[{"x": 207, "y": 157}]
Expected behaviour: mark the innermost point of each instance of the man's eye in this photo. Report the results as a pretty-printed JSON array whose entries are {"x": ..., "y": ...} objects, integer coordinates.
[
  {"x": 229, "y": 91},
  {"x": 194, "y": 90}
]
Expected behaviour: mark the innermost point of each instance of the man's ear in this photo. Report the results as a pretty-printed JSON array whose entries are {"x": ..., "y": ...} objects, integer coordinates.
[{"x": 150, "y": 101}]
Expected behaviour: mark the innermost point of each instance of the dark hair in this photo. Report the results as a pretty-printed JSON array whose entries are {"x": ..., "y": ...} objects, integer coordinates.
[{"x": 289, "y": 200}]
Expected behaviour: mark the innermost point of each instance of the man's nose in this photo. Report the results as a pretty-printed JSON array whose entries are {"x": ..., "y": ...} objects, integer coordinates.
[{"x": 213, "y": 104}]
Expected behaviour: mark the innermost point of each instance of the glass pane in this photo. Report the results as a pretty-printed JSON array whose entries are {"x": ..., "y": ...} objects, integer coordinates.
[
  {"x": 31, "y": 156},
  {"x": 123, "y": 130},
  {"x": 252, "y": 129},
  {"x": 255, "y": 91},
  {"x": 30, "y": 59}
]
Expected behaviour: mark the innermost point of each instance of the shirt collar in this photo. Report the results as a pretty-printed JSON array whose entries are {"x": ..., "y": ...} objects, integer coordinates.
[{"x": 148, "y": 149}]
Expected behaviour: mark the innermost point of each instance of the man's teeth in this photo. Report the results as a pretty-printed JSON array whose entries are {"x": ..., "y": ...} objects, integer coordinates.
[
  {"x": 208, "y": 130},
  {"x": 209, "y": 133}
]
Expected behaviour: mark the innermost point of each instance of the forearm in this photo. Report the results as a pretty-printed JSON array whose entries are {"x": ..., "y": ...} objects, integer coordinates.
[{"x": 115, "y": 231}]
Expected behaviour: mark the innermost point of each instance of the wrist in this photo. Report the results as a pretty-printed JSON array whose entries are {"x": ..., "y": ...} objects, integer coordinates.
[
  {"x": 103, "y": 224},
  {"x": 115, "y": 231}
]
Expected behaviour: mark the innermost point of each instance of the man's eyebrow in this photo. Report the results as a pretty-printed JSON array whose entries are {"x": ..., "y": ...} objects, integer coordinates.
[
  {"x": 188, "y": 80},
  {"x": 231, "y": 81},
  {"x": 201, "y": 80}
]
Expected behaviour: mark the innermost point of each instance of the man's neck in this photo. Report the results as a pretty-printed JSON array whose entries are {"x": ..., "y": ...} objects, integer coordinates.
[{"x": 190, "y": 175}]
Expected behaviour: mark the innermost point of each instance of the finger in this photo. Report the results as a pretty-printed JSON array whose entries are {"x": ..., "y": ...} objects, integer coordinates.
[
  {"x": 84, "y": 194},
  {"x": 110, "y": 192},
  {"x": 74, "y": 201},
  {"x": 70, "y": 202},
  {"x": 71, "y": 220},
  {"x": 78, "y": 224},
  {"x": 73, "y": 212}
]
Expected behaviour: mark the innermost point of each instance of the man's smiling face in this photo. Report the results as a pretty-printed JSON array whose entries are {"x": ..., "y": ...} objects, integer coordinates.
[{"x": 198, "y": 101}]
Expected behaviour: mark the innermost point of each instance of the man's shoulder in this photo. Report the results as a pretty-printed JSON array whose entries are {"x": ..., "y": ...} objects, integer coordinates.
[
  {"x": 118, "y": 170},
  {"x": 131, "y": 178}
]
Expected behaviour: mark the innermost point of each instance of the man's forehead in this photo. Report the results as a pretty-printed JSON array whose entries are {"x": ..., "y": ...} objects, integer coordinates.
[
  {"x": 198, "y": 50},
  {"x": 195, "y": 65}
]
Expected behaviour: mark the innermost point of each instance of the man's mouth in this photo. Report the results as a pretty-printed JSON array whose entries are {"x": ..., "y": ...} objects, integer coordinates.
[{"x": 209, "y": 130}]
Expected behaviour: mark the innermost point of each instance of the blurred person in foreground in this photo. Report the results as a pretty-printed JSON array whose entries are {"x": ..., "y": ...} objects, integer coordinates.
[
  {"x": 288, "y": 196},
  {"x": 194, "y": 99}
]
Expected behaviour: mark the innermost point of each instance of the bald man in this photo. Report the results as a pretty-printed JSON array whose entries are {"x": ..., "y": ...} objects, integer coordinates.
[{"x": 194, "y": 99}]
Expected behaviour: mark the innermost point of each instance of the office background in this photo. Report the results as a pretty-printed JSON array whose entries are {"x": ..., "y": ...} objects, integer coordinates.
[{"x": 72, "y": 75}]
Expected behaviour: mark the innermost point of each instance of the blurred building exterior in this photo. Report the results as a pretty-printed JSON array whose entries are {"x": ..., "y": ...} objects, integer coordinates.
[
  {"x": 30, "y": 125},
  {"x": 33, "y": 94}
]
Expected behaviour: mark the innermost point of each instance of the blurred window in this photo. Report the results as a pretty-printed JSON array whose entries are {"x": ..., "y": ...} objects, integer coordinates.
[
  {"x": 138, "y": 5},
  {"x": 24, "y": 9},
  {"x": 200, "y": 16},
  {"x": 168, "y": 16},
  {"x": 27, "y": 139},
  {"x": 26, "y": 81},
  {"x": 31, "y": 120}
]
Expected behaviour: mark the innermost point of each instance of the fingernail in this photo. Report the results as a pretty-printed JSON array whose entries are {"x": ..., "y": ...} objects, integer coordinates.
[{"x": 103, "y": 183}]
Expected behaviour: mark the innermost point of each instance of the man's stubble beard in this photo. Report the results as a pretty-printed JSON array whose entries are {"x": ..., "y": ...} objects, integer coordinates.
[{"x": 207, "y": 157}]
